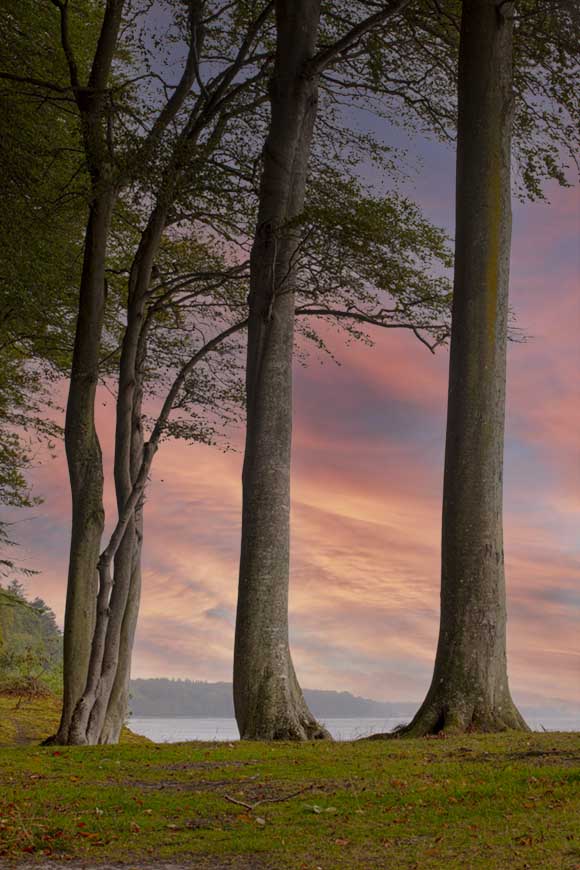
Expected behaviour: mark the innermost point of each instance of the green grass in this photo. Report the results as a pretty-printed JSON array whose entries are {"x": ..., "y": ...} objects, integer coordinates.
[{"x": 490, "y": 802}]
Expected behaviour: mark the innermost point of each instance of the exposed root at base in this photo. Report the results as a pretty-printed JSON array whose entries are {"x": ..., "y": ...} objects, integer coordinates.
[
  {"x": 301, "y": 732},
  {"x": 433, "y": 721}
]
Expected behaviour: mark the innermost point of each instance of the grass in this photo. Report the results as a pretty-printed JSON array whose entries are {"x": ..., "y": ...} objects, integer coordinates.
[
  {"x": 477, "y": 801},
  {"x": 25, "y": 720}
]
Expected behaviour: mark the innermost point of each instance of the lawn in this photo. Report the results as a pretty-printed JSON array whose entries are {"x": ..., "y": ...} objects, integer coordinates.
[{"x": 506, "y": 801}]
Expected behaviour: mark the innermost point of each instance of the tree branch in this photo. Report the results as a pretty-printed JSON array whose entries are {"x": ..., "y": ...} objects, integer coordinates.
[
  {"x": 277, "y": 800},
  {"x": 150, "y": 448},
  {"x": 327, "y": 55},
  {"x": 375, "y": 320},
  {"x": 62, "y": 6},
  {"x": 179, "y": 95},
  {"x": 38, "y": 83},
  {"x": 106, "y": 45}
]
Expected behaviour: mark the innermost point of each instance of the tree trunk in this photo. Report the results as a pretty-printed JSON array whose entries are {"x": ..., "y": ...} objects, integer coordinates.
[
  {"x": 84, "y": 459},
  {"x": 268, "y": 700},
  {"x": 112, "y": 700},
  {"x": 119, "y": 698},
  {"x": 470, "y": 689},
  {"x": 100, "y": 712}
]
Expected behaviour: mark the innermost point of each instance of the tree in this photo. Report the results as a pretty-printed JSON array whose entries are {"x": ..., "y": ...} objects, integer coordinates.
[
  {"x": 172, "y": 287},
  {"x": 42, "y": 190},
  {"x": 136, "y": 136},
  {"x": 30, "y": 643},
  {"x": 96, "y": 675},
  {"x": 470, "y": 685},
  {"x": 163, "y": 291},
  {"x": 268, "y": 701}
]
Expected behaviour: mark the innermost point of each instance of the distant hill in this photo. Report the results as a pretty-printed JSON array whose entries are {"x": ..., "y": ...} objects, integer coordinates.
[{"x": 163, "y": 697}]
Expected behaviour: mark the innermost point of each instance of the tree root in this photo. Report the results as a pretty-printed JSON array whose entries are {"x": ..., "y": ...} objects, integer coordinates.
[
  {"x": 296, "y": 729},
  {"x": 442, "y": 720},
  {"x": 279, "y": 712}
]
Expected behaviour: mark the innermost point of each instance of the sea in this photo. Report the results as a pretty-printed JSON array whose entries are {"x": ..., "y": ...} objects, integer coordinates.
[{"x": 179, "y": 729}]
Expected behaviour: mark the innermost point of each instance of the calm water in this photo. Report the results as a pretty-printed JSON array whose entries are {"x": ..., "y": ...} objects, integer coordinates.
[{"x": 177, "y": 729}]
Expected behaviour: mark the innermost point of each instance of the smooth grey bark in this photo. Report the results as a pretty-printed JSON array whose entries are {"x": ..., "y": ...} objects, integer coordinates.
[
  {"x": 118, "y": 596},
  {"x": 83, "y": 450},
  {"x": 104, "y": 587},
  {"x": 99, "y": 713},
  {"x": 84, "y": 459},
  {"x": 118, "y": 701},
  {"x": 469, "y": 690},
  {"x": 117, "y": 709},
  {"x": 268, "y": 700}
]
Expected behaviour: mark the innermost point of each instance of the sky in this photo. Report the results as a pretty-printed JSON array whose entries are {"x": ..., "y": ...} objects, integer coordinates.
[{"x": 366, "y": 500}]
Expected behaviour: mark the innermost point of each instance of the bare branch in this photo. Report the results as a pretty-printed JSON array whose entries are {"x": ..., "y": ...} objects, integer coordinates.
[
  {"x": 106, "y": 45},
  {"x": 378, "y": 320},
  {"x": 277, "y": 800}
]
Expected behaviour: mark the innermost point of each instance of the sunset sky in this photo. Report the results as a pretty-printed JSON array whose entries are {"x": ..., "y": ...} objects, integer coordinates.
[{"x": 367, "y": 478}]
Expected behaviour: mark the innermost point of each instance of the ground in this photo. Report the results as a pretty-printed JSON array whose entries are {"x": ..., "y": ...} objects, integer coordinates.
[
  {"x": 477, "y": 801},
  {"x": 26, "y": 720}
]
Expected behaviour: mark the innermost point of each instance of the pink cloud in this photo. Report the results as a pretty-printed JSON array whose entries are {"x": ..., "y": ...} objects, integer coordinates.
[{"x": 366, "y": 509}]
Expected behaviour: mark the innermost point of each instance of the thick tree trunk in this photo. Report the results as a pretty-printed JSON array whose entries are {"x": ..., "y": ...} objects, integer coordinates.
[
  {"x": 85, "y": 461},
  {"x": 268, "y": 700},
  {"x": 470, "y": 685}
]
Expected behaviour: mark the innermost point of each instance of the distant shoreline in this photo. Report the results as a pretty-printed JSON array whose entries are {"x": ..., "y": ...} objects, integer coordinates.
[
  {"x": 164, "y": 698},
  {"x": 191, "y": 716}
]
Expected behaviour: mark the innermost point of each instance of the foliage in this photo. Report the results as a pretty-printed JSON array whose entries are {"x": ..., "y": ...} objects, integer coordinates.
[
  {"x": 408, "y": 75},
  {"x": 479, "y": 801},
  {"x": 30, "y": 644},
  {"x": 42, "y": 189}
]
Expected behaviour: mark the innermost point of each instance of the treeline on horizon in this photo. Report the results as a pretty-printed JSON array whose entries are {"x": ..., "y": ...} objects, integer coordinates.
[
  {"x": 31, "y": 665},
  {"x": 186, "y": 212},
  {"x": 158, "y": 696},
  {"x": 164, "y": 697}
]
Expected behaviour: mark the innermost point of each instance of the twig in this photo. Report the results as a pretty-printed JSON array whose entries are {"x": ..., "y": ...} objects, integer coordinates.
[{"x": 267, "y": 800}]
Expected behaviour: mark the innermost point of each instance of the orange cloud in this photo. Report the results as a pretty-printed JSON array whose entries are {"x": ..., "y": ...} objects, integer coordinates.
[{"x": 367, "y": 483}]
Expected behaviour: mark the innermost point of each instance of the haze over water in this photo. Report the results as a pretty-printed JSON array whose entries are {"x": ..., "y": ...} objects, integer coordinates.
[{"x": 178, "y": 729}]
